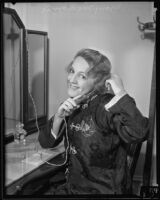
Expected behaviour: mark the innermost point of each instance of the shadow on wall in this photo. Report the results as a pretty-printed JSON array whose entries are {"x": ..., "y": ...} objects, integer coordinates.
[{"x": 37, "y": 93}]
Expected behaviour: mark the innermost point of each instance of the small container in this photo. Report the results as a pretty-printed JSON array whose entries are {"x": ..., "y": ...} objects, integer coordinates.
[{"x": 20, "y": 133}]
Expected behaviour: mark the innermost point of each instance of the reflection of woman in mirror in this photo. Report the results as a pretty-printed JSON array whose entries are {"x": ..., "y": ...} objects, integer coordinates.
[{"x": 102, "y": 120}]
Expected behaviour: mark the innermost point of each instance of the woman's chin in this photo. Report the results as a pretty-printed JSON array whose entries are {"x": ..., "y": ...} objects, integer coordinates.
[{"x": 73, "y": 94}]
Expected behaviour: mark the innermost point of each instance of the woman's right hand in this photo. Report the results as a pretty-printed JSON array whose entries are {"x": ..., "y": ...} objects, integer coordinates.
[{"x": 66, "y": 108}]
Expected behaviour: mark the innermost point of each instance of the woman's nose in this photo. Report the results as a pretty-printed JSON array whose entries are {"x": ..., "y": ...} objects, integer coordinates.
[{"x": 73, "y": 78}]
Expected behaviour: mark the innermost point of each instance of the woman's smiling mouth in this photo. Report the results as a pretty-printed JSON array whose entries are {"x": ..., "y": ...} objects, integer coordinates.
[{"x": 72, "y": 86}]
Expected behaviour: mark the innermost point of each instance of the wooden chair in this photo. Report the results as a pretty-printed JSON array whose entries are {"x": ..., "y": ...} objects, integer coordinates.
[{"x": 132, "y": 157}]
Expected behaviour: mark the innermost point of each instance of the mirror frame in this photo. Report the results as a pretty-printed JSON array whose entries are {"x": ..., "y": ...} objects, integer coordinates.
[
  {"x": 23, "y": 66},
  {"x": 30, "y": 124}
]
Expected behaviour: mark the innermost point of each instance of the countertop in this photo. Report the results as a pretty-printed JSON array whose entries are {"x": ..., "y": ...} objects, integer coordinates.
[{"x": 21, "y": 159}]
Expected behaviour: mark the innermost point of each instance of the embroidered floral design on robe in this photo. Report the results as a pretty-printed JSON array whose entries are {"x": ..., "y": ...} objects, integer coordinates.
[{"x": 87, "y": 129}]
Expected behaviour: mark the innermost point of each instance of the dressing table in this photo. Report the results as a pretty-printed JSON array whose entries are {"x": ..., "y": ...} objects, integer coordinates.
[
  {"x": 24, "y": 161},
  {"x": 25, "y": 100}
]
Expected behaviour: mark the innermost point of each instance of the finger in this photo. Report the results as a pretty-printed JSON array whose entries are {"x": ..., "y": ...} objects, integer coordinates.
[
  {"x": 77, "y": 97},
  {"x": 72, "y": 101},
  {"x": 110, "y": 79},
  {"x": 65, "y": 108},
  {"x": 108, "y": 86},
  {"x": 66, "y": 113},
  {"x": 114, "y": 77},
  {"x": 108, "y": 83},
  {"x": 69, "y": 105}
]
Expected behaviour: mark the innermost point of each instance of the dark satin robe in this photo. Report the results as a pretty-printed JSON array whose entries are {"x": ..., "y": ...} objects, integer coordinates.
[{"x": 98, "y": 140}]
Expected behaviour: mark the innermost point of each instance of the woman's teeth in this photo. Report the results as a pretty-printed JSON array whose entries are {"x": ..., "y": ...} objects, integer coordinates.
[{"x": 73, "y": 86}]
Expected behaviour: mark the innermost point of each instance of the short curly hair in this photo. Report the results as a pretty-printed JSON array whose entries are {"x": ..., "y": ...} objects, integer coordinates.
[{"x": 100, "y": 67}]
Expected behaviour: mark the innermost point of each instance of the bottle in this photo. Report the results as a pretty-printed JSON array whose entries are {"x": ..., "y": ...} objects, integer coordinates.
[{"x": 20, "y": 133}]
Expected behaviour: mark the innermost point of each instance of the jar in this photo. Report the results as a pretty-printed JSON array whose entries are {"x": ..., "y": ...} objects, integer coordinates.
[{"x": 20, "y": 133}]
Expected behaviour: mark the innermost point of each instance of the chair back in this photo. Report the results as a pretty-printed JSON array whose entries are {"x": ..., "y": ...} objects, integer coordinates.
[{"x": 132, "y": 156}]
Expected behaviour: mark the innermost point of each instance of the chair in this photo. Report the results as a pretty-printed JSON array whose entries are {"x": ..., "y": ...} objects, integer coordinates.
[{"x": 132, "y": 157}]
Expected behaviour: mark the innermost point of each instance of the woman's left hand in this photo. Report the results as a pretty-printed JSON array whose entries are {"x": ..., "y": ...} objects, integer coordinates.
[{"x": 114, "y": 84}]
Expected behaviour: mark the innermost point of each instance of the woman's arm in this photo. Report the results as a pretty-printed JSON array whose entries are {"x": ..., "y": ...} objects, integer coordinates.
[
  {"x": 52, "y": 134},
  {"x": 121, "y": 114},
  {"x": 125, "y": 119},
  {"x": 46, "y": 136}
]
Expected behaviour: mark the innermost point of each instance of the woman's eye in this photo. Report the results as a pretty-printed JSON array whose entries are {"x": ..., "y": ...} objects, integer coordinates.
[
  {"x": 82, "y": 76},
  {"x": 71, "y": 71}
]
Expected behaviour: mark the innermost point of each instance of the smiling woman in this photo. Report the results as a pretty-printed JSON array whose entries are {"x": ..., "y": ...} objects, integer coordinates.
[
  {"x": 78, "y": 81},
  {"x": 94, "y": 68},
  {"x": 99, "y": 128}
]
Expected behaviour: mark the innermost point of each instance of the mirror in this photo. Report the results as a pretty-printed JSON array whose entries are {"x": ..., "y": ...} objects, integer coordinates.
[
  {"x": 25, "y": 55},
  {"x": 36, "y": 103},
  {"x": 13, "y": 43}
]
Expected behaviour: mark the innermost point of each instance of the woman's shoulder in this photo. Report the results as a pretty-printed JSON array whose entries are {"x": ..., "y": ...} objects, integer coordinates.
[
  {"x": 104, "y": 98},
  {"x": 97, "y": 108},
  {"x": 100, "y": 100}
]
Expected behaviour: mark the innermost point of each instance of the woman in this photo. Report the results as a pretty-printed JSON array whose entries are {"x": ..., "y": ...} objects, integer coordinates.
[{"x": 101, "y": 121}]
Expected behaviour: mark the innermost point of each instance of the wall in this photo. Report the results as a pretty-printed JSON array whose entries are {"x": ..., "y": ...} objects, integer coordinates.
[{"x": 111, "y": 26}]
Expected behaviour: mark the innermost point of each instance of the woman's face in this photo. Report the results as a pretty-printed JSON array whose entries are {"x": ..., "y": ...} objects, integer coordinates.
[{"x": 78, "y": 81}]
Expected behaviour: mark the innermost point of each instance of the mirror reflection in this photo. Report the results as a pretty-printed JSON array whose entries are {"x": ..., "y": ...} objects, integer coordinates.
[
  {"x": 25, "y": 75},
  {"x": 11, "y": 73},
  {"x": 36, "y": 74}
]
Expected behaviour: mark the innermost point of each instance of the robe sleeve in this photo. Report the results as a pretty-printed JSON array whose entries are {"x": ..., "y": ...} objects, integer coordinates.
[
  {"x": 124, "y": 118},
  {"x": 46, "y": 139}
]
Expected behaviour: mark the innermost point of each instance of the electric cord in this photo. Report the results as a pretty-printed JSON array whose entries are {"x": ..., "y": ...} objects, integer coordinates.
[{"x": 29, "y": 91}]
